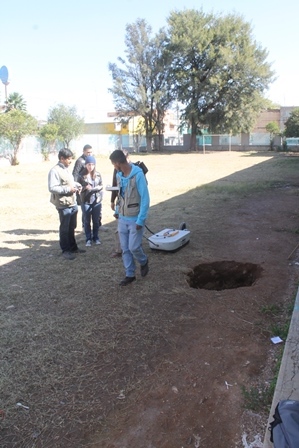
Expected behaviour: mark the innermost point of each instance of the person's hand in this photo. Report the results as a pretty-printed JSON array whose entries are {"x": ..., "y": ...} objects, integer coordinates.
[
  {"x": 73, "y": 189},
  {"x": 88, "y": 187},
  {"x": 138, "y": 227}
]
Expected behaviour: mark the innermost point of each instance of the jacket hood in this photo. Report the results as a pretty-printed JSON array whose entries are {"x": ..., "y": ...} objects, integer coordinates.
[{"x": 135, "y": 169}]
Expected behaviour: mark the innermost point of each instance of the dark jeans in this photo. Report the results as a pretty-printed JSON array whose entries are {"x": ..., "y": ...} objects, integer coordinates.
[
  {"x": 68, "y": 223},
  {"x": 92, "y": 212},
  {"x": 83, "y": 208}
]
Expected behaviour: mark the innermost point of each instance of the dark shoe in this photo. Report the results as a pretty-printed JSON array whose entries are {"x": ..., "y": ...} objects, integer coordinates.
[
  {"x": 78, "y": 251},
  {"x": 68, "y": 255},
  {"x": 127, "y": 280},
  {"x": 116, "y": 254},
  {"x": 144, "y": 269}
]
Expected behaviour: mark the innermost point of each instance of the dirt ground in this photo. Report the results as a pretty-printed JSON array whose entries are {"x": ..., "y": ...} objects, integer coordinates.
[{"x": 157, "y": 364}]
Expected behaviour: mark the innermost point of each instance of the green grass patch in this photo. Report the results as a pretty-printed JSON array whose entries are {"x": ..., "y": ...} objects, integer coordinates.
[
  {"x": 281, "y": 330},
  {"x": 271, "y": 310},
  {"x": 259, "y": 398},
  {"x": 238, "y": 188}
]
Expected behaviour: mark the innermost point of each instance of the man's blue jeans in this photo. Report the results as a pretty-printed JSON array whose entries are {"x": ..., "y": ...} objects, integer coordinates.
[
  {"x": 68, "y": 224},
  {"x": 131, "y": 245},
  {"x": 92, "y": 212}
]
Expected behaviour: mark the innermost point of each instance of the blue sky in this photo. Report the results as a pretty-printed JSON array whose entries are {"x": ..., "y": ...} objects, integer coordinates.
[{"x": 58, "y": 51}]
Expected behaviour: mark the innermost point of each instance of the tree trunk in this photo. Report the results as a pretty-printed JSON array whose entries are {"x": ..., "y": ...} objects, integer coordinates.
[
  {"x": 14, "y": 160},
  {"x": 14, "y": 157},
  {"x": 193, "y": 145},
  {"x": 158, "y": 142},
  {"x": 148, "y": 143}
]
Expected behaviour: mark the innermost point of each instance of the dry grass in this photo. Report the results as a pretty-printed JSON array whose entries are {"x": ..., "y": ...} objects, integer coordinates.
[{"x": 73, "y": 343}]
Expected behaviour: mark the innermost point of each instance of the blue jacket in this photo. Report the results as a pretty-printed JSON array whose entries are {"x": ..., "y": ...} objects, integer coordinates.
[{"x": 142, "y": 189}]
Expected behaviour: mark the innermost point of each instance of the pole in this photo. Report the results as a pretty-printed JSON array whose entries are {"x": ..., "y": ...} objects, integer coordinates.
[{"x": 6, "y": 84}]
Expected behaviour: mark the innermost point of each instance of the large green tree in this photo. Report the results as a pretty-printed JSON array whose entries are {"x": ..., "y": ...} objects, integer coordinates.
[
  {"x": 220, "y": 73},
  {"x": 14, "y": 126},
  {"x": 141, "y": 84},
  {"x": 69, "y": 124},
  {"x": 15, "y": 101},
  {"x": 292, "y": 124}
]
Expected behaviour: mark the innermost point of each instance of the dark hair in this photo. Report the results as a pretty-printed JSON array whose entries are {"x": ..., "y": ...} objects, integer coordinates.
[
  {"x": 118, "y": 156},
  {"x": 87, "y": 147},
  {"x": 93, "y": 173},
  {"x": 65, "y": 153}
]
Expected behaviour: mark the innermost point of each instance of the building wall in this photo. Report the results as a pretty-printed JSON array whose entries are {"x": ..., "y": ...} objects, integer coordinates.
[{"x": 267, "y": 116}]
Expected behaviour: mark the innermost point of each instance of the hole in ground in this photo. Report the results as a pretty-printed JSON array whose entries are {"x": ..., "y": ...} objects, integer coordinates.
[{"x": 221, "y": 275}]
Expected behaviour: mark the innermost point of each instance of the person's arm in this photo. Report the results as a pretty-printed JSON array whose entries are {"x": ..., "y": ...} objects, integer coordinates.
[
  {"x": 54, "y": 184},
  {"x": 99, "y": 186},
  {"x": 144, "y": 199},
  {"x": 81, "y": 182},
  {"x": 114, "y": 193},
  {"x": 77, "y": 168}
]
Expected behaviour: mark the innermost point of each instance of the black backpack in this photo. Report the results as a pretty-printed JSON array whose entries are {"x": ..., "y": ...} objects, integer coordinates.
[
  {"x": 142, "y": 166},
  {"x": 285, "y": 426}
]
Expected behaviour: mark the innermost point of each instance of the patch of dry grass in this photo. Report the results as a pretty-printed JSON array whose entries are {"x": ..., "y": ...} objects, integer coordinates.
[{"x": 72, "y": 342}]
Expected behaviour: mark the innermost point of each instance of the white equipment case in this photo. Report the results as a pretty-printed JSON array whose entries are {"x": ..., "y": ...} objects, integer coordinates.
[{"x": 169, "y": 239}]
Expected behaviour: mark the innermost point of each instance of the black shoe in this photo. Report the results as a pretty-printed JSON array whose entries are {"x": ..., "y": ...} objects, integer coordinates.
[
  {"x": 78, "y": 251},
  {"x": 68, "y": 255},
  {"x": 127, "y": 280},
  {"x": 144, "y": 269}
]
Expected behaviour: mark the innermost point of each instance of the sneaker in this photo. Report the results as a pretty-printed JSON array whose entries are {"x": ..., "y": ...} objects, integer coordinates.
[
  {"x": 68, "y": 255},
  {"x": 78, "y": 251},
  {"x": 88, "y": 243},
  {"x": 97, "y": 242},
  {"x": 127, "y": 280},
  {"x": 144, "y": 269},
  {"x": 103, "y": 229}
]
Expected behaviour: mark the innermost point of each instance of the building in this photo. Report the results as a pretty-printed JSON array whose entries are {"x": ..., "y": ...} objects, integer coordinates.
[{"x": 127, "y": 136}]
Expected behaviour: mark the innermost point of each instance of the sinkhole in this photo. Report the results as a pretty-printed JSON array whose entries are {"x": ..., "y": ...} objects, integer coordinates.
[{"x": 221, "y": 275}]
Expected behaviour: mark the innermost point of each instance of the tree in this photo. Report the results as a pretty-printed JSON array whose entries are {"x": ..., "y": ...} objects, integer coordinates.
[
  {"x": 48, "y": 136},
  {"x": 268, "y": 104},
  {"x": 292, "y": 124},
  {"x": 14, "y": 126},
  {"x": 273, "y": 130},
  {"x": 69, "y": 124},
  {"x": 219, "y": 72},
  {"x": 138, "y": 132},
  {"x": 141, "y": 87},
  {"x": 15, "y": 101}
]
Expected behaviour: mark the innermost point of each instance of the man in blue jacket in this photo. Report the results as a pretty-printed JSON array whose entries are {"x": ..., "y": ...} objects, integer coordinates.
[{"x": 131, "y": 209}]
